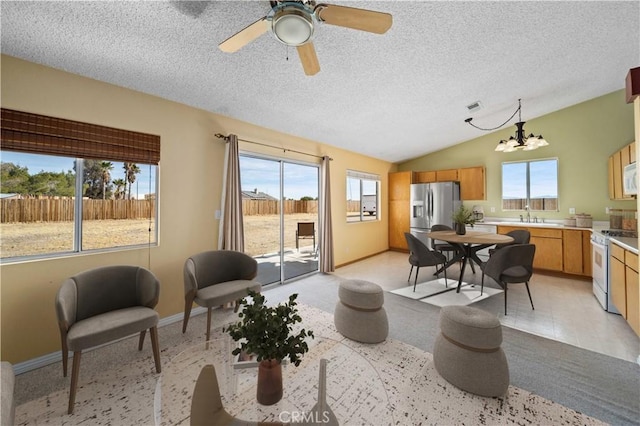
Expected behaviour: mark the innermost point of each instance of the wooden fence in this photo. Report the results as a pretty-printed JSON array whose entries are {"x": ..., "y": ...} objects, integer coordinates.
[
  {"x": 539, "y": 204},
  {"x": 59, "y": 209},
  {"x": 62, "y": 209}
]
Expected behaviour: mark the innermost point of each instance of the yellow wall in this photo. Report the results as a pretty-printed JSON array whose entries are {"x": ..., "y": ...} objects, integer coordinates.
[
  {"x": 582, "y": 137},
  {"x": 190, "y": 189}
]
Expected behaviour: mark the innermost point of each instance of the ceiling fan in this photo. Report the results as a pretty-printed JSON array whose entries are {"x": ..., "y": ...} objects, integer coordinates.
[{"x": 293, "y": 23}]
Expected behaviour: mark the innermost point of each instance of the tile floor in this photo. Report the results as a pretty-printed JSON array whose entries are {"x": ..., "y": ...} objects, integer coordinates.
[{"x": 565, "y": 308}]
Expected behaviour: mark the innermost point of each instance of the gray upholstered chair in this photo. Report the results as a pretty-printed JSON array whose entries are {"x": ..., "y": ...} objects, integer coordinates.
[
  {"x": 456, "y": 249},
  {"x": 102, "y": 305},
  {"x": 509, "y": 265},
  {"x": 421, "y": 255},
  {"x": 520, "y": 236},
  {"x": 216, "y": 277}
]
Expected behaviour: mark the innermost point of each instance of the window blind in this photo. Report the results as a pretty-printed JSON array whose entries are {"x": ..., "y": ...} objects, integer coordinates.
[
  {"x": 362, "y": 175},
  {"x": 40, "y": 134}
]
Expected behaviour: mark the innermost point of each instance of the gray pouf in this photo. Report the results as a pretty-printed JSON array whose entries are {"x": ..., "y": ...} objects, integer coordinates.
[
  {"x": 467, "y": 351},
  {"x": 359, "y": 314}
]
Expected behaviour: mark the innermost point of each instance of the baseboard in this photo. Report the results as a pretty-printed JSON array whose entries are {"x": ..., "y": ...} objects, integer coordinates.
[{"x": 51, "y": 358}]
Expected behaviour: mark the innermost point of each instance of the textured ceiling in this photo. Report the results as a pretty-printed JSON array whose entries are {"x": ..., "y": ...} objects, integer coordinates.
[{"x": 394, "y": 96}]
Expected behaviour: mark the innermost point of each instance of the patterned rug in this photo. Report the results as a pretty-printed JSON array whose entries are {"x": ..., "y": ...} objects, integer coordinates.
[{"x": 123, "y": 392}]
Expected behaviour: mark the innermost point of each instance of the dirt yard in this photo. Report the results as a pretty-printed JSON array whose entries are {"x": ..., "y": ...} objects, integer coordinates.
[{"x": 21, "y": 239}]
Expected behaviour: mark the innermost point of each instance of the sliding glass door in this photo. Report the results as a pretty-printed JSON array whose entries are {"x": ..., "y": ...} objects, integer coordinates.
[{"x": 280, "y": 213}]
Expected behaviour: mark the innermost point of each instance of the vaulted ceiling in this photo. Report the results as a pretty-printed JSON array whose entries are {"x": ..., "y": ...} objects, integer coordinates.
[{"x": 393, "y": 96}]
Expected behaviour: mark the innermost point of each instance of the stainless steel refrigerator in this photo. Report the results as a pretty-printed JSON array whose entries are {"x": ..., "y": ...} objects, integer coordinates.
[{"x": 431, "y": 204}]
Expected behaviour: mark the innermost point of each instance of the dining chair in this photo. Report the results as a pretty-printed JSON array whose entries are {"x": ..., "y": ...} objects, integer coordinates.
[
  {"x": 421, "y": 255},
  {"x": 442, "y": 246},
  {"x": 455, "y": 249},
  {"x": 510, "y": 265},
  {"x": 520, "y": 236}
]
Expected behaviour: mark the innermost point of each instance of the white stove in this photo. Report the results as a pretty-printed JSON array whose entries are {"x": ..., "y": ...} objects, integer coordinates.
[{"x": 600, "y": 266}]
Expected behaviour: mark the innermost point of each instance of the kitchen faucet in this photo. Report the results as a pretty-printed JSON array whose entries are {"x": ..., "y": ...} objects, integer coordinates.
[{"x": 528, "y": 213}]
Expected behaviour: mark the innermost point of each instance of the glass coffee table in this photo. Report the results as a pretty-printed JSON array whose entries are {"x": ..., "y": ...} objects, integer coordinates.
[{"x": 354, "y": 391}]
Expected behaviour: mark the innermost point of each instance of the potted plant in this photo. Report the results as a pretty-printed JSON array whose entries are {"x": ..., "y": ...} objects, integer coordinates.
[
  {"x": 461, "y": 218},
  {"x": 267, "y": 333}
]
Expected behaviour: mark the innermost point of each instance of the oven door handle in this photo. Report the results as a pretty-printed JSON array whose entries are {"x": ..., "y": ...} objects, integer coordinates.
[{"x": 598, "y": 245}]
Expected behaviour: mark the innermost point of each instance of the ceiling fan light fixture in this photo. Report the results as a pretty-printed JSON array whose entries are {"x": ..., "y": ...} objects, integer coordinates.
[{"x": 292, "y": 25}]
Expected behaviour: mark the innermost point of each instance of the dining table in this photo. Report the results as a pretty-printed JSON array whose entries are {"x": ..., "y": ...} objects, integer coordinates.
[{"x": 471, "y": 242}]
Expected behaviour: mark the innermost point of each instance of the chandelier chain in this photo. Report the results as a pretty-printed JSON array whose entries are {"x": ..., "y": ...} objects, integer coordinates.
[{"x": 468, "y": 120}]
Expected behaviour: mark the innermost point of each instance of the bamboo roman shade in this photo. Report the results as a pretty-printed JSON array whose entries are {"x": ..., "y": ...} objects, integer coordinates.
[{"x": 40, "y": 134}]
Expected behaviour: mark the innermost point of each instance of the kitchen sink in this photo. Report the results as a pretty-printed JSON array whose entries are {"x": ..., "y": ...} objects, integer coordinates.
[{"x": 529, "y": 224}]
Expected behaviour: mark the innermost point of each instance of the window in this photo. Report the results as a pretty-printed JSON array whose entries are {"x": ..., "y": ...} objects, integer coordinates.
[
  {"x": 530, "y": 185},
  {"x": 43, "y": 187},
  {"x": 362, "y": 196}
]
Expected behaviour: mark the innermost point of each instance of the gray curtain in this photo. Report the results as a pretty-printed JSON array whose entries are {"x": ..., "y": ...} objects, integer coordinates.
[
  {"x": 231, "y": 235},
  {"x": 326, "y": 229}
]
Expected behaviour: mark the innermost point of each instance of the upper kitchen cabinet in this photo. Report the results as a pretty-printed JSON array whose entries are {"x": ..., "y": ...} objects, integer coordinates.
[
  {"x": 472, "y": 180},
  {"x": 472, "y": 183},
  {"x": 617, "y": 162},
  {"x": 446, "y": 175},
  {"x": 425, "y": 177}
]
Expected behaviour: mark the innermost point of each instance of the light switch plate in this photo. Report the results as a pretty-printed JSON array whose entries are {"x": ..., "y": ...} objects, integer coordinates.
[{"x": 572, "y": 210}]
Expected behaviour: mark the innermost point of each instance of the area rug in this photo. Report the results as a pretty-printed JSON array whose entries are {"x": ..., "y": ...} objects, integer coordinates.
[
  {"x": 468, "y": 294},
  {"x": 122, "y": 392},
  {"x": 425, "y": 289}
]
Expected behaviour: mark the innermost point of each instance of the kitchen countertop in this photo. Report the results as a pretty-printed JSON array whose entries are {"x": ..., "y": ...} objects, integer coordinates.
[{"x": 628, "y": 243}]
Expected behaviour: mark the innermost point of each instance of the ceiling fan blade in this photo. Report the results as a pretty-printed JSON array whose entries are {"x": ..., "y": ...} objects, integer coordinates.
[
  {"x": 245, "y": 36},
  {"x": 309, "y": 58},
  {"x": 357, "y": 19}
]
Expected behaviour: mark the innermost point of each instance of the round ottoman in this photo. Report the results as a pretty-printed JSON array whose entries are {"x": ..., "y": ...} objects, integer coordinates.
[
  {"x": 359, "y": 314},
  {"x": 467, "y": 351}
]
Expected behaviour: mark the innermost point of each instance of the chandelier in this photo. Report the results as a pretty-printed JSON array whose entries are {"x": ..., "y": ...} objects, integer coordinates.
[{"x": 519, "y": 140}]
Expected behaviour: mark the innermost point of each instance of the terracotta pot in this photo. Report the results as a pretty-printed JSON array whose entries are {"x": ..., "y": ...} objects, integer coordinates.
[
  {"x": 269, "y": 389},
  {"x": 461, "y": 229}
]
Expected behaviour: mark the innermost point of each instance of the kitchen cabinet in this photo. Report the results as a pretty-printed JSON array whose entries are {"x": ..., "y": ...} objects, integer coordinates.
[
  {"x": 425, "y": 177},
  {"x": 472, "y": 183},
  {"x": 472, "y": 180},
  {"x": 399, "y": 200},
  {"x": 561, "y": 250},
  {"x": 618, "y": 279},
  {"x": 617, "y": 161},
  {"x": 587, "y": 254},
  {"x": 548, "y": 244},
  {"x": 632, "y": 290},
  {"x": 572, "y": 259},
  {"x": 625, "y": 288},
  {"x": 446, "y": 175}
]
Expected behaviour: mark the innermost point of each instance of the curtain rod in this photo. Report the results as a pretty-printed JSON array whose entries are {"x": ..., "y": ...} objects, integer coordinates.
[{"x": 221, "y": 136}]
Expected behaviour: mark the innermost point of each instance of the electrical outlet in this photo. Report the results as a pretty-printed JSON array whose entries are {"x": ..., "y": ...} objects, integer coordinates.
[
  {"x": 606, "y": 210},
  {"x": 493, "y": 209},
  {"x": 572, "y": 210},
  {"x": 217, "y": 214}
]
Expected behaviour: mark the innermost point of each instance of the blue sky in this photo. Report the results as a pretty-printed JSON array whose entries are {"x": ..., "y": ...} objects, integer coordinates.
[
  {"x": 37, "y": 163},
  {"x": 264, "y": 175},
  {"x": 544, "y": 174}
]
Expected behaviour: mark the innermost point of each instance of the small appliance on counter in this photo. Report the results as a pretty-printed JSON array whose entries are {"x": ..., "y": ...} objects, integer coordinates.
[{"x": 478, "y": 213}]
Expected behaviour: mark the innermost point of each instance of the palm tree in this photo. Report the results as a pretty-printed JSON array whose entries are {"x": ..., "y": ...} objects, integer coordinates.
[
  {"x": 105, "y": 172},
  {"x": 130, "y": 172},
  {"x": 120, "y": 184}
]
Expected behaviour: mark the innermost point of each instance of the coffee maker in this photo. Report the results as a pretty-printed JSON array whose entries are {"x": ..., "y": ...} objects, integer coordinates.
[{"x": 478, "y": 213}]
